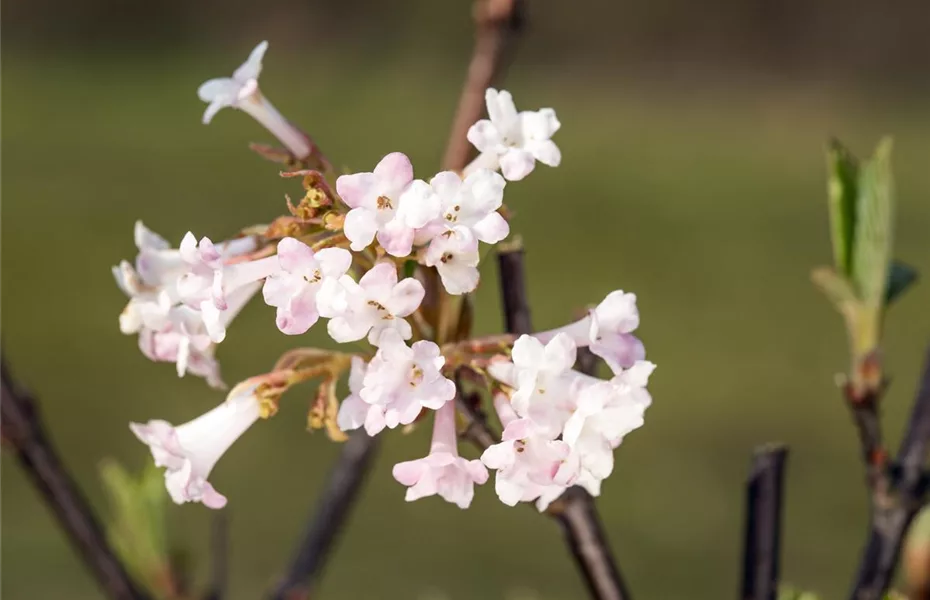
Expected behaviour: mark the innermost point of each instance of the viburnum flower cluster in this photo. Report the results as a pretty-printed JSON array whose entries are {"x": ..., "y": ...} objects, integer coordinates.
[{"x": 385, "y": 259}]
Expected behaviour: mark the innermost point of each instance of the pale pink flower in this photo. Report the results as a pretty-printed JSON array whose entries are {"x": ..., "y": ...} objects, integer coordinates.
[
  {"x": 241, "y": 92},
  {"x": 388, "y": 203},
  {"x": 528, "y": 464},
  {"x": 353, "y": 412},
  {"x": 454, "y": 253},
  {"x": 443, "y": 471},
  {"x": 472, "y": 203},
  {"x": 210, "y": 275},
  {"x": 190, "y": 451},
  {"x": 542, "y": 388},
  {"x": 399, "y": 382},
  {"x": 512, "y": 140},
  {"x": 302, "y": 277},
  {"x": 371, "y": 306},
  {"x": 607, "y": 330}
]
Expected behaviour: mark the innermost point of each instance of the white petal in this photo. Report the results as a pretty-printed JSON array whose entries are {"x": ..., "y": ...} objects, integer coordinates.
[
  {"x": 252, "y": 67},
  {"x": 360, "y": 227},
  {"x": 517, "y": 164}
]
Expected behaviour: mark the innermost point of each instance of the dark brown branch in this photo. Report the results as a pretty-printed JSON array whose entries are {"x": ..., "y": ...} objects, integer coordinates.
[
  {"x": 24, "y": 431},
  {"x": 898, "y": 492},
  {"x": 328, "y": 517},
  {"x": 574, "y": 510},
  {"x": 513, "y": 291},
  {"x": 219, "y": 550},
  {"x": 762, "y": 543},
  {"x": 496, "y": 22}
]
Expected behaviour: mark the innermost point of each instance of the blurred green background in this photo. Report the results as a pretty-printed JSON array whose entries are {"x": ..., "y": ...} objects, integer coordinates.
[{"x": 693, "y": 175}]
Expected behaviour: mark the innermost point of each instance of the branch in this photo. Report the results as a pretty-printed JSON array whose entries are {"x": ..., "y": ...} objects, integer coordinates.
[
  {"x": 897, "y": 496},
  {"x": 762, "y": 544},
  {"x": 328, "y": 518},
  {"x": 513, "y": 291},
  {"x": 574, "y": 510},
  {"x": 496, "y": 22},
  {"x": 23, "y": 429}
]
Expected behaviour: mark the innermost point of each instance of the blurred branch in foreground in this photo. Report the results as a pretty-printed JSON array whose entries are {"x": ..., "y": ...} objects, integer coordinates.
[
  {"x": 762, "y": 542},
  {"x": 24, "y": 432}
]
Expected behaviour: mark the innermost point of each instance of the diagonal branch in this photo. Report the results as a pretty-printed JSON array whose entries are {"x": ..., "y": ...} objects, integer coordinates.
[
  {"x": 762, "y": 543},
  {"x": 496, "y": 22},
  {"x": 329, "y": 516},
  {"x": 898, "y": 492},
  {"x": 24, "y": 430},
  {"x": 574, "y": 510}
]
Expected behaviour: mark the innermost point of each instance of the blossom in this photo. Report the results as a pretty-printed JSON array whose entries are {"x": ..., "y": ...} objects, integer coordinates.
[
  {"x": 373, "y": 305},
  {"x": 190, "y": 451},
  {"x": 353, "y": 412},
  {"x": 512, "y": 140},
  {"x": 241, "y": 91},
  {"x": 543, "y": 390},
  {"x": 303, "y": 276},
  {"x": 399, "y": 382},
  {"x": 454, "y": 253},
  {"x": 211, "y": 276},
  {"x": 528, "y": 464},
  {"x": 442, "y": 471},
  {"x": 608, "y": 331},
  {"x": 472, "y": 203},
  {"x": 388, "y": 203}
]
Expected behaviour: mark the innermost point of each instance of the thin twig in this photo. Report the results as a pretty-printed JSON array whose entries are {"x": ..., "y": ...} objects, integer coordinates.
[
  {"x": 762, "y": 543},
  {"x": 219, "y": 550},
  {"x": 496, "y": 22},
  {"x": 328, "y": 517},
  {"x": 574, "y": 510},
  {"x": 897, "y": 494},
  {"x": 23, "y": 429}
]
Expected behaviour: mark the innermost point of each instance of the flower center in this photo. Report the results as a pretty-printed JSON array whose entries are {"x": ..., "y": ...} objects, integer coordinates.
[
  {"x": 416, "y": 376},
  {"x": 447, "y": 257},
  {"x": 384, "y": 203}
]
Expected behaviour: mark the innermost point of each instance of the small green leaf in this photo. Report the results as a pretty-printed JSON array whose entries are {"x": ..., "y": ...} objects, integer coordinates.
[
  {"x": 900, "y": 277},
  {"x": 135, "y": 523},
  {"x": 871, "y": 253},
  {"x": 842, "y": 191}
]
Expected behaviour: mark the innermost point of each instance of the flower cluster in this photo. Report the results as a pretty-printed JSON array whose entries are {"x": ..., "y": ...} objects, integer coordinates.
[{"x": 383, "y": 257}]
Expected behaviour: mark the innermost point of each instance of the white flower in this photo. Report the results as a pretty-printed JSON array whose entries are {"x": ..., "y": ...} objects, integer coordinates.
[
  {"x": 443, "y": 471},
  {"x": 454, "y": 253},
  {"x": 399, "y": 382},
  {"x": 211, "y": 277},
  {"x": 241, "y": 91},
  {"x": 472, "y": 203},
  {"x": 304, "y": 275},
  {"x": 543, "y": 390},
  {"x": 514, "y": 140},
  {"x": 190, "y": 451},
  {"x": 388, "y": 203},
  {"x": 608, "y": 331},
  {"x": 375, "y": 304},
  {"x": 354, "y": 412},
  {"x": 528, "y": 464}
]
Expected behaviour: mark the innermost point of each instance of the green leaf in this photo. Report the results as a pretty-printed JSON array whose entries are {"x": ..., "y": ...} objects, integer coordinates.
[
  {"x": 871, "y": 253},
  {"x": 136, "y": 521},
  {"x": 842, "y": 191},
  {"x": 900, "y": 277}
]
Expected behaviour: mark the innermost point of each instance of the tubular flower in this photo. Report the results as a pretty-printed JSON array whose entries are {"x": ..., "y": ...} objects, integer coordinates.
[
  {"x": 190, "y": 451},
  {"x": 241, "y": 92},
  {"x": 442, "y": 471}
]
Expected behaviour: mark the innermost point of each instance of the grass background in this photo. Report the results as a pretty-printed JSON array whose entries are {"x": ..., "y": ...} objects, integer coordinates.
[{"x": 705, "y": 197}]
